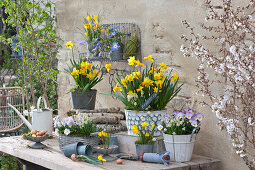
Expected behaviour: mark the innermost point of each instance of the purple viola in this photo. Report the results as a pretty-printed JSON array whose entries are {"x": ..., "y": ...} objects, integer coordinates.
[{"x": 115, "y": 46}]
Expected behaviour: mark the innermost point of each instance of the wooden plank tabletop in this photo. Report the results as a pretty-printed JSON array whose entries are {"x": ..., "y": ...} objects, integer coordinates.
[{"x": 52, "y": 158}]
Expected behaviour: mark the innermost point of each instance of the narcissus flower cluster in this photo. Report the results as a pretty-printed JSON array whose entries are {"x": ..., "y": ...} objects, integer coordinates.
[
  {"x": 137, "y": 86},
  {"x": 145, "y": 133}
]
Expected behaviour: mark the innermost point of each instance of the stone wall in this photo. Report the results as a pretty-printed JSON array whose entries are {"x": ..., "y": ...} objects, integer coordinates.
[{"x": 160, "y": 23}]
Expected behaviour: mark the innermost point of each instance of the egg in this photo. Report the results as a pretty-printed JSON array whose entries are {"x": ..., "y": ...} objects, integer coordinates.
[
  {"x": 34, "y": 131},
  {"x": 119, "y": 161}
]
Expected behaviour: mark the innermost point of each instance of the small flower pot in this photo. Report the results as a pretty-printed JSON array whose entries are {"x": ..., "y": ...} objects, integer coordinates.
[
  {"x": 146, "y": 148},
  {"x": 117, "y": 54},
  {"x": 77, "y": 148},
  {"x": 114, "y": 141},
  {"x": 84, "y": 100},
  {"x": 106, "y": 152}
]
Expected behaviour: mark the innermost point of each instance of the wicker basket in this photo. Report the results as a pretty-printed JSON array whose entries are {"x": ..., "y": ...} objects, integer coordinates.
[{"x": 65, "y": 140}]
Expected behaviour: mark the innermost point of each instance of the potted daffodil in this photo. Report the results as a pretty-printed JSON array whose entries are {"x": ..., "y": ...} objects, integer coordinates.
[{"x": 145, "y": 92}]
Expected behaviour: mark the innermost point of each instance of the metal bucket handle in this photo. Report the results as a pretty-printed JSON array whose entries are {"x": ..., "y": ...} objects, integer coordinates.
[{"x": 39, "y": 101}]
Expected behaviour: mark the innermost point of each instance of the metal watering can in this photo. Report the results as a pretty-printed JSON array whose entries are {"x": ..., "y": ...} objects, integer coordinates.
[{"x": 41, "y": 117}]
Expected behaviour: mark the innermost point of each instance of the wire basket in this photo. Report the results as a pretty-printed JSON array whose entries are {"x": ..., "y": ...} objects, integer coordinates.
[
  {"x": 65, "y": 140},
  {"x": 130, "y": 29}
]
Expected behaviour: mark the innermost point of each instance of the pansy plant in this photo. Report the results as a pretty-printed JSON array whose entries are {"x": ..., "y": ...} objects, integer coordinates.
[{"x": 181, "y": 123}]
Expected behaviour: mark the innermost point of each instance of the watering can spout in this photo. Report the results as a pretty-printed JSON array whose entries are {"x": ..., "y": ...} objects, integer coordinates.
[{"x": 21, "y": 116}]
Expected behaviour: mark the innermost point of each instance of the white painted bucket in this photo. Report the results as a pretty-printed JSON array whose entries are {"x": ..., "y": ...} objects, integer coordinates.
[
  {"x": 42, "y": 118},
  {"x": 180, "y": 146}
]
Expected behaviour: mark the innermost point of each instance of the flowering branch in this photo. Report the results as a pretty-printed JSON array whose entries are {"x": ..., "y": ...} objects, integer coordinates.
[{"x": 231, "y": 67}]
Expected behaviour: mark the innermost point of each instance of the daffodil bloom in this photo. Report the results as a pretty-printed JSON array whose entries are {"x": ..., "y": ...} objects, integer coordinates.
[
  {"x": 96, "y": 23},
  {"x": 130, "y": 77},
  {"x": 131, "y": 61},
  {"x": 149, "y": 58},
  {"x": 159, "y": 83},
  {"x": 94, "y": 17},
  {"x": 86, "y": 65},
  {"x": 130, "y": 92},
  {"x": 87, "y": 26},
  {"x": 108, "y": 67},
  {"x": 155, "y": 89},
  {"x": 174, "y": 77},
  {"x": 163, "y": 66},
  {"x": 95, "y": 73},
  {"x": 69, "y": 45},
  {"x": 82, "y": 72},
  {"x": 100, "y": 158},
  {"x": 138, "y": 63},
  {"x": 88, "y": 17},
  {"x": 147, "y": 82},
  {"x": 153, "y": 126},
  {"x": 144, "y": 124},
  {"x": 135, "y": 131},
  {"x": 117, "y": 88},
  {"x": 157, "y": 76},
  {"x": 140, "y": 89},
  {"x": 153, "y": 70},
  {"x": 90, "y": 76},
  {"x": 104, "y": 134},
  {"x": 134, "y": 127},
  {"x": 86, "y": 33},
  {"x": 124, "y": 81},
  {"x": 102, "y": 30},
  {"x": 147, "y": 134},
  {"x": 75, "y": 72},
  {"x": 100, "y": 134}
]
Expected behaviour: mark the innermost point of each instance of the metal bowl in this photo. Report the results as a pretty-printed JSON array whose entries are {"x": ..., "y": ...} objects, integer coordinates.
[
  {"x": 37, "y": 140},
  {"x": 111, "y": 150}
]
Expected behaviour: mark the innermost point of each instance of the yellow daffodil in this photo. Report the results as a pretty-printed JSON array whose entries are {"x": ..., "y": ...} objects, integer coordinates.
[
  {"x": 100, "y": 158},
  {"x": 82, "y": 72},
  {"x": 130, "y": 77},
  {"x": 159, "y": 83},
  {"x": 69, "y": 45},
  {"x": 163, "y": 66},
  {"x": 153, "y": 126},
  {"x": 117, "y": 88},
  {"x": 86, "y": 33},
  {"x": 86, "y": 65},
  {"x": 102, "y": 30},
  {"x": 87, "y": 26},
  {"x": 100, "y": 134},
  {"x": 157, "y": 76},
  {"x": 162, "y": 76},
  {"x": 147, "y": 134},
  {"x": 108, "y": 67},
  {"x": 96, "y": 23},
  {"x": 131, "y": 61},
  {"x": 95, "y": 73},
  {"x": 88, "y": 17},
  {"x": 138, "y": 63},
  {"x": 153, "y": 70},
  {"x": 90, "y": 76},
  {"x": 140, "y": 89},
  {"x": 149, "y": 58},
  {"x": 130, "y": 92},
  {"x": 134, "y": 127},
  {"x": 104, "y": 134},
  {"x": 75, "y": 72},
  {"x": 99, "y": 25},
  {"x": 124, "y": 81},
  {"x": 174, "y": 77},
  {"x": 94, "y": 17},
  {"x": 95, "y": 28},
  {"x": 147, "y": 82},
  {"x": 144, "y": 124},
  {"x": 135, "y": 131},
  {"x": 155, "y": 89}
]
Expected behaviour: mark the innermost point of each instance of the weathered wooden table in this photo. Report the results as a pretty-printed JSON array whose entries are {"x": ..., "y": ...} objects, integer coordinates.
[{"x": 52, "y": 158}]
